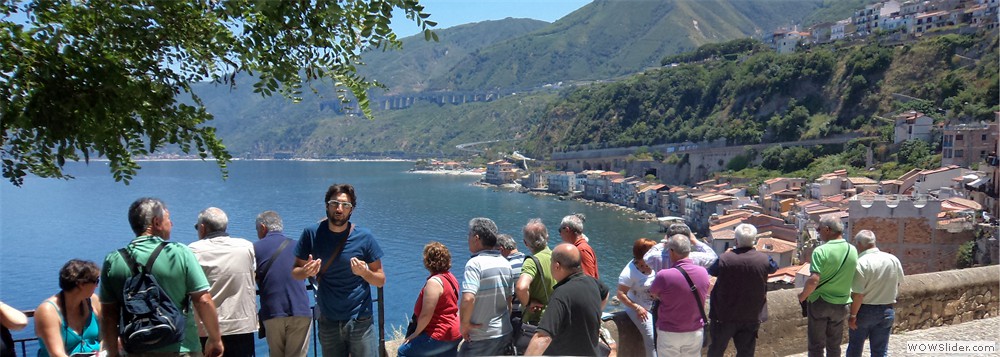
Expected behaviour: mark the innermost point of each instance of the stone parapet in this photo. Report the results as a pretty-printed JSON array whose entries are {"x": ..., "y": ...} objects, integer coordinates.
[{"x": 925, "y": 300}]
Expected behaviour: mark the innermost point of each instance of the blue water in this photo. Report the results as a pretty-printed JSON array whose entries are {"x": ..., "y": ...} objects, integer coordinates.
[{"x": 47, "y": 222}]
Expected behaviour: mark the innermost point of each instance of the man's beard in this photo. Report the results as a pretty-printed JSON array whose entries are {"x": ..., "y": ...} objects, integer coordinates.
[{"x": 332, "y": 217}]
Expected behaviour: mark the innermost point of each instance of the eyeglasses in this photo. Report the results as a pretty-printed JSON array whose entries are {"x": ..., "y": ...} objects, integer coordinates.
[{"x": 346, "y": 205}]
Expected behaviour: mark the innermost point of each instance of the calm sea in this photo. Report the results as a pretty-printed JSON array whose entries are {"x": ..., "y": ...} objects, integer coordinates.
[{"x": 47, "y": 222}]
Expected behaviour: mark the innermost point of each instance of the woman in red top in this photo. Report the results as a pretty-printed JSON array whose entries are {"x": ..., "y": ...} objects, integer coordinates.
[{"x": 437, "y": 332}]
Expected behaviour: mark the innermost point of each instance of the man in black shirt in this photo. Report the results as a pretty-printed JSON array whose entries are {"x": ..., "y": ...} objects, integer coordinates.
[{"x": 573, "y": 318}]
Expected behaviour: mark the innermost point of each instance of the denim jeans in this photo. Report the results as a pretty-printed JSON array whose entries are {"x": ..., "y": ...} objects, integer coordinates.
[
  {"x": 424, "y": 345},
  {"x": 826, "y": 327},
  {"x": 874, "y": 324},
  {"x": 353, "y": 337},
  {"x": 645, "y": 329}
]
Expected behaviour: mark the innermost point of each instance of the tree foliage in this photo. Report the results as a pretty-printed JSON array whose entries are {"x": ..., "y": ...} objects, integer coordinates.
[{"x": 113, "y": 78}]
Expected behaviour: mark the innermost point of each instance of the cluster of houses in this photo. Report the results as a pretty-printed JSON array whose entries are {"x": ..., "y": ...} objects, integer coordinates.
[
  {"x": 911, "y": 18},
  {"x": 923, "y": 216}
]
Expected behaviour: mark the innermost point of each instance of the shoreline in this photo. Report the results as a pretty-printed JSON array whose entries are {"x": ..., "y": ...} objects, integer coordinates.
[
  {"x": 447, "y": 172},
  {"x": 637, "y": 214}
]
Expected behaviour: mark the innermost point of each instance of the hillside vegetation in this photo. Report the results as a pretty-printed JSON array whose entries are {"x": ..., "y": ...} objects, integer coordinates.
[
  {"x": 606, "y": 39},
  {"x": 763, "y": 96}
]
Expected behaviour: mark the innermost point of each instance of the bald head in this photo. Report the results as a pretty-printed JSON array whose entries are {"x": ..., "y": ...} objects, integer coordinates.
[{"x": 565, "y": 261}]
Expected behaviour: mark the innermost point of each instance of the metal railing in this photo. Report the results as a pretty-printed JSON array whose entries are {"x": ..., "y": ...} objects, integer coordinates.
[
  {"x": 24, "y": 341},
  {"x": 379, "y": 300}
]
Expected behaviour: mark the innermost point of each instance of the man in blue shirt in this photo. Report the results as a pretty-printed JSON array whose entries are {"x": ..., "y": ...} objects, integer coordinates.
[
  {"x": 284, "y": 305},
  {"x": 346, "y": 260}
]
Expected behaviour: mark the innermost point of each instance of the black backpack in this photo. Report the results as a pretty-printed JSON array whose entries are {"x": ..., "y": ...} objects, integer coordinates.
[{"x": 149, "y": 319}]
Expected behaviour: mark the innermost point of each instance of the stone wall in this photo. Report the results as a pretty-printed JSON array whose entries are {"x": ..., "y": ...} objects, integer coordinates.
[
  {"x": 920, "y": 247},
  {"x": 925, "y": 300}
]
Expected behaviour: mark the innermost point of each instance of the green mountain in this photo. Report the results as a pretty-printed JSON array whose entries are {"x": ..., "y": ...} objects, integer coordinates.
[
  {"x": 606, "y": 39},
  {"x": 762, "y": 96},
  {"x": 412, "y": 68}
]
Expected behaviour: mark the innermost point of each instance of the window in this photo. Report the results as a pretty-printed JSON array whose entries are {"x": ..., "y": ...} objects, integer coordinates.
[
  {"x": 959, "y": 137},
  {"x": 985, "y": 136},
  {"x": 959, "y": 153},
  {"x": 946, "y": 153},
  {"x": 982, "y": 154}
]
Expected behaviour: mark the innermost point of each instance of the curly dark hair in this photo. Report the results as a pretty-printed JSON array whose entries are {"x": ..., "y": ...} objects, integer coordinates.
[
  {"x": 437, "y": 258},
  {"x": 76, "y": 272}
]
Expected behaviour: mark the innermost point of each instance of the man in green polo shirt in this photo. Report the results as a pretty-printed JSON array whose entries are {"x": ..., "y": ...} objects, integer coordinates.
[
  {"x": 828, "y": 289},
  {"x": 176, "y": 270},
  {"x": 535, "y": 285}
]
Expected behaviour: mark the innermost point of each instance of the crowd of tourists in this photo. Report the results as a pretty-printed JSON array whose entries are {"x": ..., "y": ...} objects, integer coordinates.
[{"x": 156, "y": 298}]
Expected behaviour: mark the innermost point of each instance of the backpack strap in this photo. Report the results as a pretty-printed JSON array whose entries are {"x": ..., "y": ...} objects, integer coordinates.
[
  {"x": 148, "y": 268},
  {"x": 129, "y": 261},
  {"x": 153, "y": 255}
]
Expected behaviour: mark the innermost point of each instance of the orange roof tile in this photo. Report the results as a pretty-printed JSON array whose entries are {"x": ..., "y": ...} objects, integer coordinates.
[{"x": 774, "y": 245}]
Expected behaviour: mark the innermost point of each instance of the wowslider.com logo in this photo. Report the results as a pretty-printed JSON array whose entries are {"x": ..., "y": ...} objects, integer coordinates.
[{"x": 948, "y": 347}]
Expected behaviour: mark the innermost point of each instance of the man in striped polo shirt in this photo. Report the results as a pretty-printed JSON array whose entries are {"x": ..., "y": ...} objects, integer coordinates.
[{"x": 486, "y": 294}]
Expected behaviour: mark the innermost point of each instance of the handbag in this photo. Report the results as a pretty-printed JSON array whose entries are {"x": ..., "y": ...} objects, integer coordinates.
[
  {"x": 804, "y": 304},
  {"x": 412, "y": 326},
  {"x": 525, "y": 330},
  {"x": 701, "y": 307},
  {"x": 261, "y": 332}
]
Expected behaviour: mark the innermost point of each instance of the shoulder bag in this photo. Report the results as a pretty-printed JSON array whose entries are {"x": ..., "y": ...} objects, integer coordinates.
[
  {"x": 804, "y": 305},
  {"x": 525, "y": 330},
  {"x": 261, "y": 333},
  {"x": 701, "y": 306}
]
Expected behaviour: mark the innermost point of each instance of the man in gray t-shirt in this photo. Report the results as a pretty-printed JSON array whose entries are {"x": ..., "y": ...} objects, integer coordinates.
[{"x": 486, "y": 294}]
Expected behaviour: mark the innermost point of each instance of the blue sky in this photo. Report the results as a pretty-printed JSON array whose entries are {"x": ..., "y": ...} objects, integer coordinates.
[{"x": 449, "y": 13}]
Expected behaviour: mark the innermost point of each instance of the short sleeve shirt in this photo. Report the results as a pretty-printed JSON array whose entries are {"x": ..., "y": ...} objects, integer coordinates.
[
  {"x": 826, "y": 260},
  {"x": 574, "y": 316},
  {"x": 877, "y": 276},
  {"x": 540, "y": 289},
  {"x": 587, "y": 258},
  {"x": 176, "y": 270},
  {"x": 487, "y": 275},
  {"x": 342, "y": 295},
  {"x": 638, "y": 285}
]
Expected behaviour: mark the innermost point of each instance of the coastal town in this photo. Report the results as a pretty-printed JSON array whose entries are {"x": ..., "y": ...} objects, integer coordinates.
[{"x": 933, "y": 219}]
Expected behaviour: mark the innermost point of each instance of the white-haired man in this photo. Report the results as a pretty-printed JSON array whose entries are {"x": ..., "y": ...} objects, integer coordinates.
[
  {"x": 828, "y": 289},
  {"x": 874, "y": 290},
  {"x": 229, "y": 265},
  {"x": 701, "y": 253},
  {"x": 739, "y": 297}
]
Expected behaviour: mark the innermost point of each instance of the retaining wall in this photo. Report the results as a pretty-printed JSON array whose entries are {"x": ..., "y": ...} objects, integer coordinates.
[{"x": 925, "y": 300}]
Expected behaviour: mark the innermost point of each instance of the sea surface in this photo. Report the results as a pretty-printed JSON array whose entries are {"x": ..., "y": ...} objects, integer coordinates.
[{"x": 46, "y": 222}]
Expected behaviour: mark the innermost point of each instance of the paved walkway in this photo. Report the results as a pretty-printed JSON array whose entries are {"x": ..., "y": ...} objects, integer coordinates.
[{"x": 978, "y": 330}]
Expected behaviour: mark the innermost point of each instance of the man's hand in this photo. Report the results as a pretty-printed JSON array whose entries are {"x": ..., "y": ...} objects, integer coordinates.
[
  {"x": 213, "y": 348},
  {"x": 466, "y": 328},
  {"x": 312, "y": 266},
  {"x": 359, "y": 267},
  {"x": 852, "y": 322},
  {"x": 535, "y": 306},
  {"x": 803, "y": 296}
]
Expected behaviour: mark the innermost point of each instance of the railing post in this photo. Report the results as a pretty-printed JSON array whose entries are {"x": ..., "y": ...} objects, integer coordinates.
[{"x": 381, "y": 324}]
